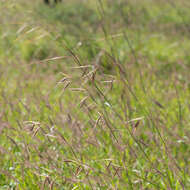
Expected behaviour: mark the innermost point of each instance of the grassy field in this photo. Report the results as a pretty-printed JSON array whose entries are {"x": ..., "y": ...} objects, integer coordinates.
[{"x": 95, "y": 95}]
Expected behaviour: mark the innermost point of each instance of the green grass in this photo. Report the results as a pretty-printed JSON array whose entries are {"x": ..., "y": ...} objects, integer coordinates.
[{"x": 94, "y": 95}]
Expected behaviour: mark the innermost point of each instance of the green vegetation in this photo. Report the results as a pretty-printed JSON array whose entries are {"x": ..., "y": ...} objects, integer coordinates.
[{"x": 95, "y": 95}]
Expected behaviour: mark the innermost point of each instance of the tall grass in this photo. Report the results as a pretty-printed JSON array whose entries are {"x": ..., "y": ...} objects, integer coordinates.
[{"x": 94, "y": 95}]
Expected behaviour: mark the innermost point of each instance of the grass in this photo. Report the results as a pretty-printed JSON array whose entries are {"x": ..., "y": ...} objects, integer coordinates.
[{"x": 94, "y": 95}]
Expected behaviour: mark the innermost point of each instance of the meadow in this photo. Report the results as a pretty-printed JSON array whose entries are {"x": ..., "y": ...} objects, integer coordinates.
[{"x": 94, "y": 94}]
